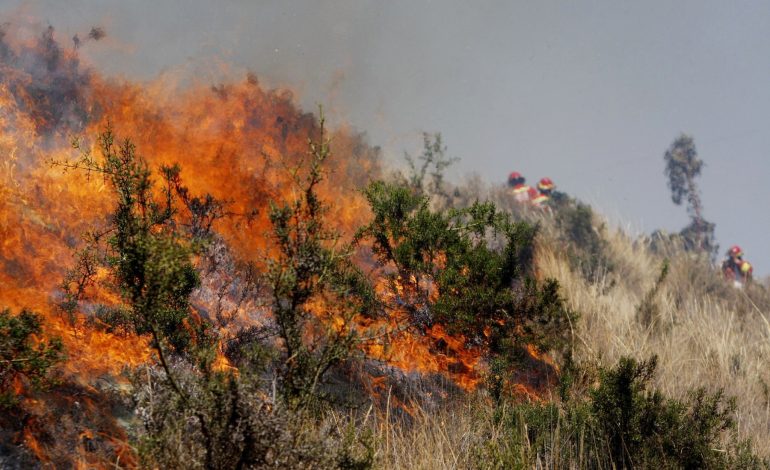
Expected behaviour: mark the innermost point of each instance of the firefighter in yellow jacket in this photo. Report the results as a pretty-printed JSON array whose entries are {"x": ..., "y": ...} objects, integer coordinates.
[
  {"x": 545, "y": 189},
  {"x": 521, "y": 191},
  {"x": 735, "y": 268}
]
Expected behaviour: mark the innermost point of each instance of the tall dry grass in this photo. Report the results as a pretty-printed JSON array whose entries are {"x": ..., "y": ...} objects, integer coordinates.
[
  {"x": 707, "y": 333},
  {"x": 464, "y": 436}
]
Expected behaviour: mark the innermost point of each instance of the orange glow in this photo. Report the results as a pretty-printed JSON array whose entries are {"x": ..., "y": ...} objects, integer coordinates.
[
  {"x": 31, "y": 443},
  {"x": 544, "y": 358},
  {"x": 434, "y": 352},
  {"x": 221, "y": 363},
  {"x": 238, "y": 143}
]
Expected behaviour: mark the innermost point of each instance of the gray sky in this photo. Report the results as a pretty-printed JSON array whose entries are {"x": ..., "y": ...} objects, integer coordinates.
[{"x": 590, "y": 93}]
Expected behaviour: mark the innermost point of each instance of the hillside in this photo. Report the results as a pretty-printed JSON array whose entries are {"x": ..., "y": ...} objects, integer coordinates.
[{"x": 210, "y": 278}]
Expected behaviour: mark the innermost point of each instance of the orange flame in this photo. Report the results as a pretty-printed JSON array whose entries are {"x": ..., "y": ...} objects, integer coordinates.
[
  {"x": 434, "y": 351},
  {"x": 237, "y": 143}
]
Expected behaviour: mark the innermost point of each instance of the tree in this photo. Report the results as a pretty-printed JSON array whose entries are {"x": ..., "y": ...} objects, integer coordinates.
[
  {"x": 682, "y": 168},
  {"x": 148, "y": 251},
  {"x": 194, "y": 415}
]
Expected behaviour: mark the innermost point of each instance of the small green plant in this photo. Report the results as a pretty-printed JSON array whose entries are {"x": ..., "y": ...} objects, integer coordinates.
[
  {"x": 587, "y": 248},
  {"x": 620, "y": 423},
  {"x": 24, "y": 359},
  {"x": 648, "y": 311},
  {"x": 641, "y": 426}
]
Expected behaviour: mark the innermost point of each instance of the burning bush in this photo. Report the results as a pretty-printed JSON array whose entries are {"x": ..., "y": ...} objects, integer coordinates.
[
  {"x": 216, "y": 415},
  {"x": 147, "y": 257},
  {"x": 23, "y": 358},
  {"x": 467, "y": 270},
  {"x": 317, "y": 294}
]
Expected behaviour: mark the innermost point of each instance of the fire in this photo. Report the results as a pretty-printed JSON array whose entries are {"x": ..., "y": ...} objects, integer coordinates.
[
  {"x": 539, "y": 356},
  {"x": 437, "y": 352},
  {"x": 31, "y": 443},
  {"x": 434, "y": 352},
  {"x": 238, "y": 143},
  {"x": 221, "y": 363}
]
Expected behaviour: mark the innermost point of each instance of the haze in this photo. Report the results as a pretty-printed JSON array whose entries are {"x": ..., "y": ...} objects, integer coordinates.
[{"x": 589, "y": 93}]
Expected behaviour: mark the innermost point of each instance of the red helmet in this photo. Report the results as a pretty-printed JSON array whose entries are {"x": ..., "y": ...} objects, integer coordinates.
[
  {"x": 515, "y": 178},
  {"x": 545, "y": 184},
  {"x": 736, "y": 251}
]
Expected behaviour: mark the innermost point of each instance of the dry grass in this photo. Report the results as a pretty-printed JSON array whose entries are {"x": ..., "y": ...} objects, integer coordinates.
[
  {"x": 432, "y": 441},
  {"x": 707, "y": 334},
  {"x": 467, "y": 436},
  {"x": 451, "y": 438}
]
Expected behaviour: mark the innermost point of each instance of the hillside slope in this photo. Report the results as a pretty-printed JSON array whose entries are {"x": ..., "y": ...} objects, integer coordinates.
[{"x": 288, "y": 315}]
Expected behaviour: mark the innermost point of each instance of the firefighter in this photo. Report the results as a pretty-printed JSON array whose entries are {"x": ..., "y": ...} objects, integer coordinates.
[
  {"x": 735, "y": 268},
  {"x": 545, "y": 189},
  {"x": 521, "y": 191},
  {"x": 730, "y": 265}
]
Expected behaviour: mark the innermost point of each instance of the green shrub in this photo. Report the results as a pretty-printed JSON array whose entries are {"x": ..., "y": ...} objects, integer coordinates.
[
  {"x": 312, "y": 264},
  {"x": 466, "y": 269},
  {"x": 648, "y": 311},
  {"x": 22, "y": 356},
  {"x": 621, "y": 423},
  {"x": 144, "y": 248},
  {"x": 226, "y": 422},
  {"x": 587, "y": 249}
]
